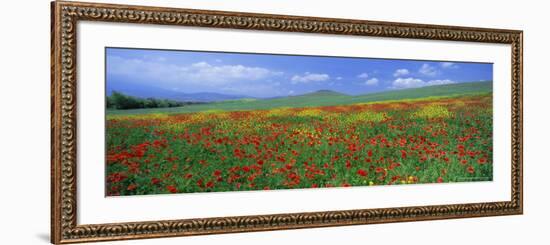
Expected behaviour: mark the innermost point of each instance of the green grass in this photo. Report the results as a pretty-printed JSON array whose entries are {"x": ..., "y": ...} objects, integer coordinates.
[
  {"x": 324, "y": 98},
  {"x": 406, "y": 142}
]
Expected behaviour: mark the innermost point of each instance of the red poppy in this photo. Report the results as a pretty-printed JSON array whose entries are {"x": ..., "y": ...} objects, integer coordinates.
[
  {"x": 260, "y": 162},
  {"x": 199, "y": 183},
  {"x": 362, "y": 172},
  {"x": 439, "y": 180},
  {"x": 352, "y": 147},
  {"x": 210, "y": 184},
  {"x": 217, "y": 172},
  {"x": 116, "y": 177},
  {"x": 348, "y": 164},
  {"x": 471, "y": 169},
  {"x": 482, "y": 160},
  {"x": 155, "y": 181},
  {"x": 394, "y": 165},
  {"x": 172, "y": 189},
  {"x": 131, "y": 187}
]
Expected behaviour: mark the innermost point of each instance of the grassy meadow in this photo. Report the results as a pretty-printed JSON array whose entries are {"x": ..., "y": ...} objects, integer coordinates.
[{"x": 435, "y": 134}]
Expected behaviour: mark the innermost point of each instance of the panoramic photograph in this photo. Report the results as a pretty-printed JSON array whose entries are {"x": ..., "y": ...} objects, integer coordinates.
[{"x": 195, "y": 121}]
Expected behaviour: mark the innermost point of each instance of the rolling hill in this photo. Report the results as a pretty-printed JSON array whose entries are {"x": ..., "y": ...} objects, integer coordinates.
[
  {"x": 326, "y": 98},
  {"x": 160, "y": 93},
  {"x": 429, "y": 91}
]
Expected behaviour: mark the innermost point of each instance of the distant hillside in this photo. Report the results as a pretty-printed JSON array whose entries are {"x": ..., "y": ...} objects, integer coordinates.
[
  {"x": 160, "y": 93},
  {"x": 437, "y": 90},
  {"x": 327, "y": 98},
  {"x": 323, "y": 92}
]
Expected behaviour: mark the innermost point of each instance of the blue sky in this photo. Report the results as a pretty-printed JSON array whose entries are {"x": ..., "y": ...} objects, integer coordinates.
[{"x": 267, "y": 75}]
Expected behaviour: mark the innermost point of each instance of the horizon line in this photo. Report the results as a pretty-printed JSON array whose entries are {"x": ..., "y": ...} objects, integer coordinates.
[{"x": 302, "y": 94}]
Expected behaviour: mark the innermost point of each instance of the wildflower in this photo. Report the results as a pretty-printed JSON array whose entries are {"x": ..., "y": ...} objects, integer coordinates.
[
  {"x": 348, "y": 164},
  {"x": 131, "y": 187},
  {"x": 155, "y": 181},
  {"x": 209, "y": 184},
  {"x": 172, "y": 189},
  {"x": 482, "y": 160}
]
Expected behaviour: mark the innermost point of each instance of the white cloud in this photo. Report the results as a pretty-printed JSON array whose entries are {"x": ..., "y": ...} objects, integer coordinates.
[
  {"x": 449, "y": 65},
  {"x": 197, "y": 77},
  {"x": 290, "y": 92},
  {"x": 203, "y": 71},
  {"x": 196, "y": 73},
  {"x": 372, "y": 81},
  {"x": 401, "y": 72},
  {"x": 338, "y": 78},
  {"x": 439, "y": 82},
  {"x": 407, "y": 83},
  {"x": 428, "y": 70},
  {"x": 309, "y": 77},
  {"x": 401, "y": 83},
  {"x": 363, "y": 75}
]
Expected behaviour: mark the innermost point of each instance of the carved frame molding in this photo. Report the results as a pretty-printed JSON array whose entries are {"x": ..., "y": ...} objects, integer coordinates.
[{"x": 66, "y": 15}]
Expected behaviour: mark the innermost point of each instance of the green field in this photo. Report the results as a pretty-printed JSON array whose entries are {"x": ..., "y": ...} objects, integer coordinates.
[
  {"x": 323, "y": 98},
  {"x": 437, "y": 134}
]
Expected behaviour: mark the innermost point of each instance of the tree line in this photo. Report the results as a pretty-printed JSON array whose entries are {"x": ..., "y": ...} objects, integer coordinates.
[{"x": 121, "y": 101}]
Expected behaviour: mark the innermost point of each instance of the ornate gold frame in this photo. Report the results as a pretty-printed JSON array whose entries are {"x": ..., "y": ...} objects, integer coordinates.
[{"x": 65, "y": 15}]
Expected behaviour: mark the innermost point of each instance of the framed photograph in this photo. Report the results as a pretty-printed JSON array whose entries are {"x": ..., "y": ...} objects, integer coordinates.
[{"x": 175, "y": 122}]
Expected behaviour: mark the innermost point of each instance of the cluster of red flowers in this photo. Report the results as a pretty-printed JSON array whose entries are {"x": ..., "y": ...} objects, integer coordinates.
[{"x": 260, "y": 151}]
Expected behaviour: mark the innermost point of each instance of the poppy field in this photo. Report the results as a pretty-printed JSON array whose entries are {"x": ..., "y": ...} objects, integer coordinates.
[{"x": 414, "y": 141}]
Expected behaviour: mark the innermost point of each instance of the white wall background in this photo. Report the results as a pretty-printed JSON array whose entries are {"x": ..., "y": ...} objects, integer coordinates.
[{"x": 25, "y": 138}]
